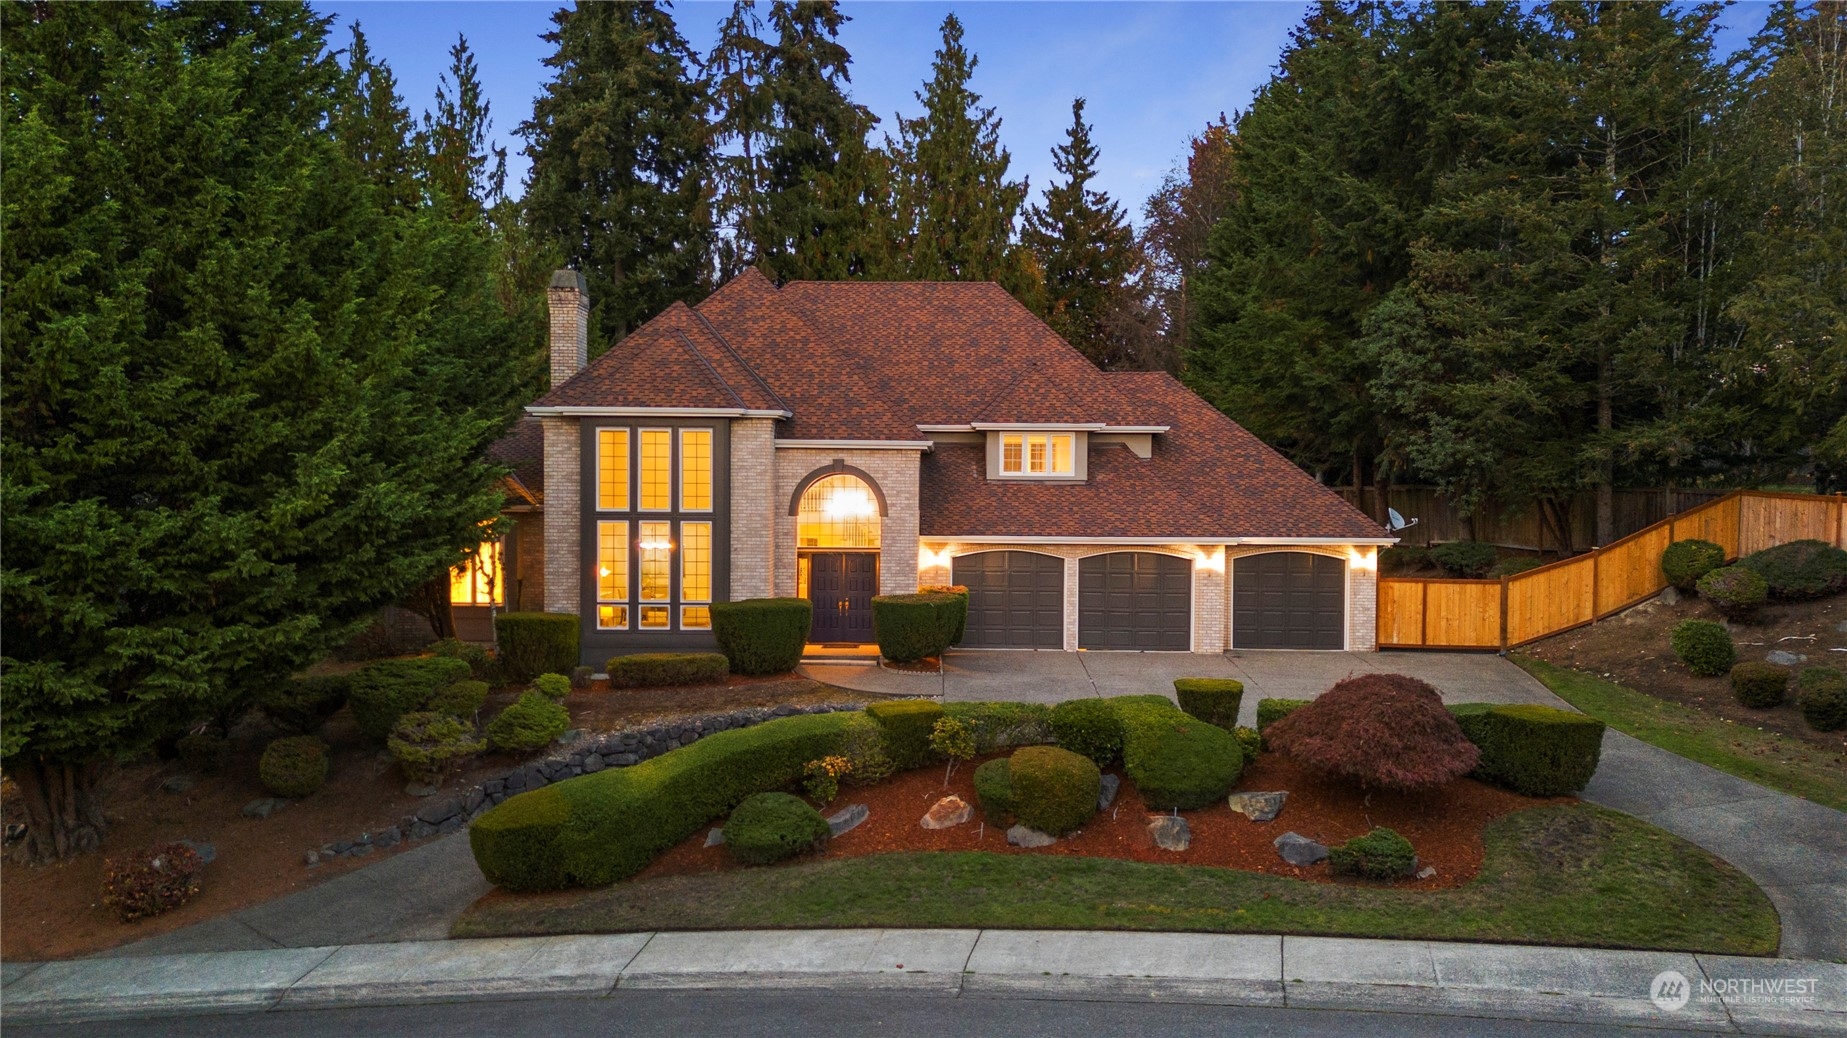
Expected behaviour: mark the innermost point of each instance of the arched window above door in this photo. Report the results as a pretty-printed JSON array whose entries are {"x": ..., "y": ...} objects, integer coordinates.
[{"x": 837, "y": 511}]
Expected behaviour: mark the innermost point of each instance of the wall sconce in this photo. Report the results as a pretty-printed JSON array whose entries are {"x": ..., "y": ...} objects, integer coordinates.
[
  {"x": 1363, "y": 558},
  {"x": 1214, "y": 561},
  {"x": 928, "y": 559}
]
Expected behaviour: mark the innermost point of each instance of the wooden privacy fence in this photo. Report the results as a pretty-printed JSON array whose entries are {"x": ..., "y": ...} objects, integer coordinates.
[{"x": 1420, "y": 613}]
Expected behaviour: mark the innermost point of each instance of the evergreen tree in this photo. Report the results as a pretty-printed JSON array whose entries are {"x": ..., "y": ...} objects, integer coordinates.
[
  {"x": 1179, "y": 219},
  {"x": 745, "y": 116},
  {"x": 248, "y": 388},
  {"x": 1086, "y": 252},
  {"x": 462, "y": 164},
  {"x": 621, "y": 162},
  {"x": 372, "y": 125}
]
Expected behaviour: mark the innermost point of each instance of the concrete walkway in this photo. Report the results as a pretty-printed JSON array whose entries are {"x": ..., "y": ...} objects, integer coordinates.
[{"x": 1741, "y": 995}]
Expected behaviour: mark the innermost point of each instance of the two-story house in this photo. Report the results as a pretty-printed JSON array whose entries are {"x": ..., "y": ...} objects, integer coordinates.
[{"x": 839, "y": 440}]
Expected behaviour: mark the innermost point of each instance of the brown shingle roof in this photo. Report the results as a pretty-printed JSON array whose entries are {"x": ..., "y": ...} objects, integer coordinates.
[
  {"x": 522, "y": 449},
  {"x": 674, "y": 360}
]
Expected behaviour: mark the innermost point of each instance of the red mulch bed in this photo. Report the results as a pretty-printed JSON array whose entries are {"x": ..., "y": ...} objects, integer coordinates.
[{"x": 1444, "y": 825}]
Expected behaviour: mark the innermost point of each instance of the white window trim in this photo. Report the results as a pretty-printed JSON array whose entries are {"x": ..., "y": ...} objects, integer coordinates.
[
  {"x": 678, "y": 461},
  {"x": 1025, "y": 472},
  {"x": 629, "y": 620},
  {"x": 628, "y": 470},
  {"x": 673, "y": 472}
]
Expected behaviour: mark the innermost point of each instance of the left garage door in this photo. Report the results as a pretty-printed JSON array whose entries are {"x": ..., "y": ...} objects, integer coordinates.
[
  {"x": 1016, "y": 599},
  {"x": 1135, "y": 600}
]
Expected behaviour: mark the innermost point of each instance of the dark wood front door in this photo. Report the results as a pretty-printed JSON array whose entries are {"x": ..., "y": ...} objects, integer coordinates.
[{"x": 841, "y": 585}]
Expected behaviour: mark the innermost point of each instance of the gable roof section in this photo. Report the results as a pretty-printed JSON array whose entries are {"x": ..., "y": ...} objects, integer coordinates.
[
  {"x": 522, "y": 449},
  {"x": 674, "y": 360}
]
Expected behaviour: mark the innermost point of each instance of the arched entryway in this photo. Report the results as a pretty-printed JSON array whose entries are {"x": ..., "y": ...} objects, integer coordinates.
[{"x": 837, "y": 529}]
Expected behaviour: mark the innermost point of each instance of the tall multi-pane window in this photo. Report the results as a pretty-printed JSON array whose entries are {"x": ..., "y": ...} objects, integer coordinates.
[
  {"x": 695, "y": 575},
  {"x": 696, "y": 470},
  {"x": 656, "y": 547},
  {"x": 612, "y": 470},
  {"x": 656, "y": 470},
  {"x": 612, "y": 575},
  {"x": 478, "y": 581}
]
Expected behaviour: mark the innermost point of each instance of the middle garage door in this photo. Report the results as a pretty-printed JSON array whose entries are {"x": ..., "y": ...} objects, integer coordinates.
[
  {"x": 1016, "y": 599},
  {"x": 1135, "y": 600}
]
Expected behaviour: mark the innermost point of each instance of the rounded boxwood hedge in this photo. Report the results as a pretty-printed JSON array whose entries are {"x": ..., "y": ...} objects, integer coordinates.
[
  {"x": 1759, "y": 685},
  {"x": 1175, "y": 761},
  {"x": 959, "y": 612},
  {"x": 387, "y": 690},
  {"x": 912, "y": 627},
  {"x": 1538, "y": 751},
  {"x": 293, "y": 767},
  {"x": 1380, "y": 854},
  {"x": 1053, "y": 790},
  {"x": 531, "y": 721},
  {"x": 536, "y": 643},
  {"x": 1683, "y": 563},
  {"x": 1823, "y": 698},
  {"x": 1212, "y": 700},
  {"x": 1705, "y": 647},
  {"x": 1735, "y": 591},
  {"x": 664, "y": 669},
  {"x": 1090, "y": 727},
  {"x": 1800, "y": 569},
  {"x": 770, "y": 827},
  {"x": 994, "y": 791},
  {"x": 762, "y": 635},
  {"x": 904, "y": 728}
]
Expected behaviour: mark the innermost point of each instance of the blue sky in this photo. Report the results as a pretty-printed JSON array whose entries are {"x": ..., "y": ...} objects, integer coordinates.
[{"x": 1154, "y": 73}]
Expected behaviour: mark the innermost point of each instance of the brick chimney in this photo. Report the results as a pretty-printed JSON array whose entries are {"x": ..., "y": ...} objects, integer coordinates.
[{"x": 569, "y": 299}]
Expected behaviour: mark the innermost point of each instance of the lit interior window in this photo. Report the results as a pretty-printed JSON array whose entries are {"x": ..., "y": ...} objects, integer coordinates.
[
  {"x": 1037, "y": 454},
  {"x": 695, "y": 562},
  {"x": 478, "y": 580},
  {"x": 695, "y": 618},
  {"x": 696, "y": 470},
  {"x": 1011, "y": 453},
  {"x": 656, "y": 571},
  {"x": 838, "y": 511},
  {"x": 612, "y": 469},
  {"x": 656, "y": 616},
  {"x": 656, "y": 470},
  {"x": 612, "y": 562},
  {"x": 612, "y": 617}
]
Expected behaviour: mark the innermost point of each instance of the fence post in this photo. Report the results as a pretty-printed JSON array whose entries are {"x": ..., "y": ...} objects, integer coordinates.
[{"x": 1503, "y": 614}]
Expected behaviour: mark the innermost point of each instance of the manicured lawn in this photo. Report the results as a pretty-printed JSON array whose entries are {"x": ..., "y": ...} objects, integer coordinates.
[
  {"x": 1574, "y": 874},
  {"x": 1768, "y": 759}
]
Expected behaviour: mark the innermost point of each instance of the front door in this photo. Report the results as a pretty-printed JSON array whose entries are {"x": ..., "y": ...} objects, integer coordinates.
[{"x": 841, "y": 585}]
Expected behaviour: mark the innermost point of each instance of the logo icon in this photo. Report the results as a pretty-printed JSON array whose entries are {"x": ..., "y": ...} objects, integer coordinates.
[{"x": 1670, "y": 990}]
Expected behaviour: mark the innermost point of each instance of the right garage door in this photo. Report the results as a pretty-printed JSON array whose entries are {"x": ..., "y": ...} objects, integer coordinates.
[{"x": 1288, "y": 600}]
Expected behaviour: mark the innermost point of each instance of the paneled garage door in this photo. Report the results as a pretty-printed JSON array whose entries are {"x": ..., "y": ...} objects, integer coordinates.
[
  {"x": 1016, "y": 599},
  {"x": 1135, "y": 600},
  {"x": 1288, "y": 600}
]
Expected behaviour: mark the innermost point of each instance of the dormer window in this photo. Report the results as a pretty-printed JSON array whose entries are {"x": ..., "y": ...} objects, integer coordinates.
[{"x": 1038, "y": 454}]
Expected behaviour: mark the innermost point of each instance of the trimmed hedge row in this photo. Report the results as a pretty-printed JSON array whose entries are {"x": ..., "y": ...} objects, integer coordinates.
[
  {"x": 1538, "y": 751},
  {"x": 994, "y": 791},
  {"x": 911, "y": 627},
  {"x": 536, "y": 643},
  {"x": 661, "y": 669},
  {"x": 1270, "y": 711},
  {"x": 1212, "y": 700},
  {"x": 1002, "y": 726},
  {"x": 1090, "y": 727},
  {"x": 904, "y": 727},
  {"x": 762, "y": 635},
  {"x": 1175, "y": 761}
]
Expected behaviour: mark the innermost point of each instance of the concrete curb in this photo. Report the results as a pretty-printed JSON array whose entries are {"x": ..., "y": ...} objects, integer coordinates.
[{"x": 1559, "y": 984}]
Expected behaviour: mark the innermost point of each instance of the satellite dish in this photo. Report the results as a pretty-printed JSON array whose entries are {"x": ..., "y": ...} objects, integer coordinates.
[{"x": 1398, "y": 522}]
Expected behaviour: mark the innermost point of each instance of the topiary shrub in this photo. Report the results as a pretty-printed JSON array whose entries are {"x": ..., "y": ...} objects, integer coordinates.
[
  {"x": 1736, "y": 592},
  {"x": 1823, "y": 698},
  {"x": 904, "y": 728},
  {"x": 464, "y": 700},
  {"x": 1403, "y": 558},
  {"x": 1514, "y": 564},
  {"x": 1380, "y": 854},
  {"x": 148, "y": 882},
  {"x": 1759, "y": 685},
  {"x": 1212, "y": 700},
  {"x": 1683, "y": 563},
  {"x": 762, "y": 635},
  {"x": 1538, "y": 751},
  {"x": 530, "y": 722},
  {"x": 1800, "y": 570},
  {"x": 1250, "y": 740},
  {"x": 1705, "y": 647},
  {"x": 389, "y": 689},
  {"x": 521, "y": 844},
  {"x": 428, "y": 743},
  {"x": 957, "y": 611},
  {"x": 664, "y": 669},
  {"x": 536, "y": 643},
  {"x": 1387, "y": 730},
  {"x": 1090, "y": 727},
  {"x": 1270, "y": 711},
  {"x": 1002, "y": 726},
  {"x": 302, "y": 705},
  {"x": 913, "y": 627},
  {"x": 1176, "y": 761},
  {"x": 204, "y": 753},
  {"x": 553, "y": 686},
  {"x": 994, "y": 791},
  {"x": 293, "y": 767},
  {"x": 1053, "y": 790},
  {"x": 770, "y": 827},
  {"x": 1469, "y": 559}
]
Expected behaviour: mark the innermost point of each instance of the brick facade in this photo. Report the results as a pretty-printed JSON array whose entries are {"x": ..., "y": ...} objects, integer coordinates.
[
  {"x": 754, "y": 509},
  {"x": 563, "y": 565},
  {"x": 569, "y": 308},
  {"x": 895, "y": 472}
]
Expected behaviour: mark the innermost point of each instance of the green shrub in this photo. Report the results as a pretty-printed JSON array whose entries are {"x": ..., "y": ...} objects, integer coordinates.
[
  {"x": 302, "y": 705},
  {"x": 1054, "y": 791},
  {"x": 389, "y": 689},
  {"x": 1705, "y": 647},
  {"x": 1823, "y": 698},
  {"x": 1800, "y": 569},
  {"x": 552, "y": 686},
  {"x": 769, "y": 827},
  {"x": 911, "y": 627},
  {"x": 1736, "y": 592},
  {"x": 481, "y": 664},
  {"x": 1464, "y": 558},
  {"x": 762, "y": 635},
  {"x": 1174, "y": 760},
  {"x": 1403, "y": 558},
  {"x": 664, "y": 669},
  {"x": 994, "y": 791},
  {"x": 821, "y": 778},
  {"x": 958, "y": 612},
  {"x": 1002, "y": 726},
  {"x": 905, "y": 725},
  {"x": 952, "y": 739},
  {"x": 1270, "y": 711},
  {"x": 293, "y": 767},
  {"x": 464, "y": 699},
  {"x": 1212, "y": 700},
  {"x": 1684, "y": 562},
  {"x": 863, "y": 744},
  {"x": 530, "y": 722},
  {"x": 1090, "y": 727},
  {"x": 536, "y": 643},
  {"x": 1537, "y": 751},
  {"x": 1250, "y": 740},
  {"x": 599, "y": 828},
  {"x": 204, "y": 753},
  {"x": 1759, "y": 685},
  {"x": 1380, "y": 854},
  {"x": 1514, "y": 564},
  {"x": 427, "y": 743}
]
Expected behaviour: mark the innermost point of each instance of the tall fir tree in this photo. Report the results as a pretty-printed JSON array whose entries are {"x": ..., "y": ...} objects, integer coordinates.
[
  {"x": 1177, "y": 222},
  {"x": 1085, "y": 250},
  {"x": 463, "y": 164},
  {"x": 744, "y": 113},
  {"x": 621, "y": 162},
  {"x": 373, "y": 126}
]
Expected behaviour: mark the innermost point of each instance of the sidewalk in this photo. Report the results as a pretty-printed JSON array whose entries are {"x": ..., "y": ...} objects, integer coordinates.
[{"x": 1561, "y": 984}]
